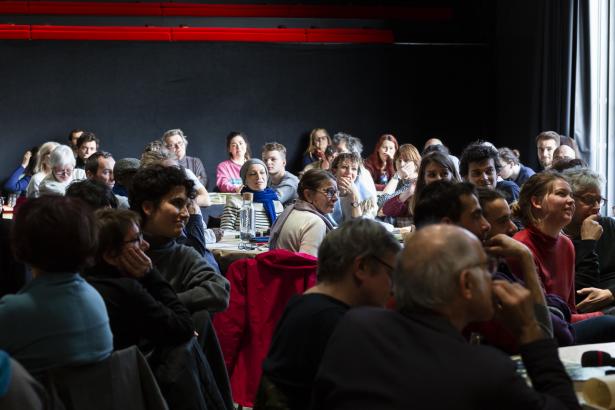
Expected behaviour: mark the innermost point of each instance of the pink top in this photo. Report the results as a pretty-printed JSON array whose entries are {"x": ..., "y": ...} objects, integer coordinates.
[{"x": 227, "y": 176}]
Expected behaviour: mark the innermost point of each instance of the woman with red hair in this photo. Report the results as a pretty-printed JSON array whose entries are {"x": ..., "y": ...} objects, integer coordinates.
[{"x": 380, "y": 163}]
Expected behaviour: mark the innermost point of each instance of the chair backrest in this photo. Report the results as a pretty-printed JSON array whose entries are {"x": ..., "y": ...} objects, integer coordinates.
[
  {"x": 23, "y": 392},
  {"x": 122, "y": 381},
  {"x": 260, "y": 290}
]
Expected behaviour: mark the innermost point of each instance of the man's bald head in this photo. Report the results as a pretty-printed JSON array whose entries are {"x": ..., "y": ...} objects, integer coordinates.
[
  {"x": 432, "y": 141},
  {"x": 427, "y": 276}
]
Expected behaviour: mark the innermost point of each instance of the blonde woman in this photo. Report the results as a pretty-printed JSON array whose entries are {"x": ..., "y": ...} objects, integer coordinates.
[{"x": 41, "y": 169}]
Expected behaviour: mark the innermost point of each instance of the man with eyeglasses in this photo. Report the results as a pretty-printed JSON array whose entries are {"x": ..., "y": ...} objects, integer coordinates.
[
  {"x": 355, "y": 263},
  {"x": 176, "y": 142},
  {"x": 457, "y": 204},
  {"x": 593, "y": 236},
  {"x": 415, "y": 356}
]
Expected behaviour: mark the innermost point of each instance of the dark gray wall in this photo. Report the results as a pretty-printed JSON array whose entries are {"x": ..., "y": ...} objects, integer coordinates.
[{"x": 130, "y": 92}]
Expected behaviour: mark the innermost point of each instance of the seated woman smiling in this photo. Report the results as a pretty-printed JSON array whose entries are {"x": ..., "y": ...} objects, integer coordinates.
[
  {"x": 267, "y": 206},
  {"x": 304, "y": 224}
]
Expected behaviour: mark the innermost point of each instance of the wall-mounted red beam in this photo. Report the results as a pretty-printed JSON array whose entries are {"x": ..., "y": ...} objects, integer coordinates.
[
  {"x": 406, "y": 13},
  {"x": 272, "y": 35}
]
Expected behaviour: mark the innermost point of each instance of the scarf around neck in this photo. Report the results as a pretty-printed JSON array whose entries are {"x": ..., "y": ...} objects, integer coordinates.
[
  {"x": 299, "y": 205},
  {"x": 265, "y": 197}
]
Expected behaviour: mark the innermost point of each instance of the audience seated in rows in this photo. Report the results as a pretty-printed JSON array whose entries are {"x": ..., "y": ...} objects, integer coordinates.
[
  {"x": 41, "y": 169},
  {"x": 417, "y": 356},
  {"x": 176, "y": 141},
  {"x": 267, "y": 206},
  {"x": 63, "y": 172},
  {"x": 87, "y": 144},
  {"x": 355, "y": 263},
  {"x": 480, "y": 165},
  {"x": 160, "y": 196},
  {"x": 228, "y": 178},
  {"x": 304, "y": 224},
  {"x": 511, "y": 168},
  {"x": 381, "y": 163},
  {"x": 281, "y": 181},
  {"x": 319, "y": 141},
  {"x": 593, "y": 237},
  {"x": 457, "y": 203},
  {"x": 57, "y": 319}
]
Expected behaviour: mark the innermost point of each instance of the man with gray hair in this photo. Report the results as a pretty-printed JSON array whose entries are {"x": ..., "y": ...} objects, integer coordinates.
[
  {"x": 176, "y": 141},
  {"x": 355, "y": 263},
  {"x": 593, "y": 236},
  {"x": 417, "y": 357}
]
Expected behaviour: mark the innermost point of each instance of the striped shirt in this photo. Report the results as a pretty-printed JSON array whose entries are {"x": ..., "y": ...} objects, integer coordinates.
[{"x": 230, "y": 216}]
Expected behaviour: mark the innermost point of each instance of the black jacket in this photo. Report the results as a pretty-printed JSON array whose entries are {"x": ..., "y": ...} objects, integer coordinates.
[
  {"x": 141, "y": 310},
  {"x": 381, "y": 359}
]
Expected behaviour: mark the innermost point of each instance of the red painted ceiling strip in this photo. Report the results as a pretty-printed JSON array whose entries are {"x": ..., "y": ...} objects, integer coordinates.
[
  {"x": 14, "y": 32},
  {"x": 100, "y": 33},
  {"x": 409, "y": 13},
  {"x": 274, "y": 35}
]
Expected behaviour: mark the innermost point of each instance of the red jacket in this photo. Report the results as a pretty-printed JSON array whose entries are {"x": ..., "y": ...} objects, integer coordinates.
[{"x": 260, "y": 290}]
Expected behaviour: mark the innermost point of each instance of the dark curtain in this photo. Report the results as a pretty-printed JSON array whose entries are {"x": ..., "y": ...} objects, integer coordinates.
[{"x": 564, "y": 104}]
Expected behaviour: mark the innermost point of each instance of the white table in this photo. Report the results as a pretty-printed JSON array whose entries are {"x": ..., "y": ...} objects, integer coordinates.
[{"x": 227, "y": 250}]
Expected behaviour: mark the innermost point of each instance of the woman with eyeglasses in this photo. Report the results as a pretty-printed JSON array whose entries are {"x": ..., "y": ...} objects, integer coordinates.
[
  {"x": 267, "y": 206},
  {"x": 304, "y": 224},
  {"x": 593, "y": 236},
  {"x": 319, "y": 141},
  {"x": 143, "y": 307},
  {"x": 63, "y": 172}
]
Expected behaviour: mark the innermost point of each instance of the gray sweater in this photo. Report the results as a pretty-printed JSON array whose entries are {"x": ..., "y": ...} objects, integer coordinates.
[{"x": 197, "y": 284}]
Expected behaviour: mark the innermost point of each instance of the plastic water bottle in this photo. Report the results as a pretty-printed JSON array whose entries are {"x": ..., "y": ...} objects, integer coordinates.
[{"x": 247, "y": 229}]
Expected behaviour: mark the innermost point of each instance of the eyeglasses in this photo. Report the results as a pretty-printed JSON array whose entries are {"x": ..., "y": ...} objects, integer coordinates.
[
  {"x": 389, "y": 267},
  {"x": 63, "y": 173},
  {"x": 137, "y": 240},
  {"x": 490, "y": 265},
  {"x": 590, "y": 199},
  {"x": 330, "y": 193}
]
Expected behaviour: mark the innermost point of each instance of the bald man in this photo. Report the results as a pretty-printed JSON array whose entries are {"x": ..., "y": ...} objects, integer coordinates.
[
  {"x": 563, "y": 152},
  {"x": 417, "y": 356}
]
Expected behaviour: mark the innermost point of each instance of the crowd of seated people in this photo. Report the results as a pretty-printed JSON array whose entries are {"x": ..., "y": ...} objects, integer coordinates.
[{"x": 481, "y": 225}]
